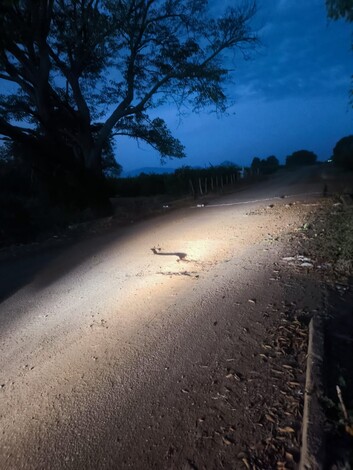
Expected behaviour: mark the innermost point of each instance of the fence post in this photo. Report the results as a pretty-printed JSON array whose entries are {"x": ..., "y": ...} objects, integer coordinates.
[
  {"x": 200, "y": 186},
  {"x": 192, "y": 189}
]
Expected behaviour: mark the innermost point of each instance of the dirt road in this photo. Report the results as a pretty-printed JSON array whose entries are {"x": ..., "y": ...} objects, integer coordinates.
[{"x": 115, "y": 356}]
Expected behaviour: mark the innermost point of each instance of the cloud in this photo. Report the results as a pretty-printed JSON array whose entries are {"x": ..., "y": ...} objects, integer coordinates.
[{"x": 303, "y": 54}]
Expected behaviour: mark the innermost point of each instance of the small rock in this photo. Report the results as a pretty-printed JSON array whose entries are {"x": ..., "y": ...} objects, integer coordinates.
[
  {"x": 304, "y": 259},
  {"x": 227, "y": 440},
  {"x": 307, "y": 265},
  {"x": 347, "y": 199}
]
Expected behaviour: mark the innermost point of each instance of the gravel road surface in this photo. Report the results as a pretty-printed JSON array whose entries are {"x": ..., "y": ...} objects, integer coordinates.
[{"x": 113, "y": 355}]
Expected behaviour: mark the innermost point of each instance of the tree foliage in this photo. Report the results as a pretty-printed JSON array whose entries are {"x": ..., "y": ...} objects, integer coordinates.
[
  {"x": 340, "y": 9},
  {"x": 301, "y": 158},
  {"x": 77, "y": 72},
  {"x": 265, "y": 166},
  {"x": 343, "y": 153}
]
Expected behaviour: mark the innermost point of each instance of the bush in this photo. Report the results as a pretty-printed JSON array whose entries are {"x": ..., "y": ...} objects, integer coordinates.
[
  {"x": 265, "y": 167},
  {"x": 301, "y": 158},
  {"x": 343, "y": 153},
  {"x": 16, "y": 225}
]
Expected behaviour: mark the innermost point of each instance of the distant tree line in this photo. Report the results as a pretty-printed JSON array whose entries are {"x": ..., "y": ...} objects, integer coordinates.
[
  {"x": 265, "y": 166},
  {"x": 184, "y": 181},
  {"x": 23, "y": 214},
  {"x": 342, "y": 155}
]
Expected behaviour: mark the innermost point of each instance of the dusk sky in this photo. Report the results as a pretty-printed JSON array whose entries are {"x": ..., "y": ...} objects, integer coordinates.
[{"x": 293, "y": 94}]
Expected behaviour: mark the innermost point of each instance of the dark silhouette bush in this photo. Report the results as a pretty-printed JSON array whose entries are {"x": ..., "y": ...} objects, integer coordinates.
[
  {"x": 343, "y": 153},
  {"x": 265, "y": 166},
  {"x": 16, "y": 224},
  {"x": 301, "y": 158}
]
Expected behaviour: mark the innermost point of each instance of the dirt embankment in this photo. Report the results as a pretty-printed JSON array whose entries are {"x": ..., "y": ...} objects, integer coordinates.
[
  {"x": 329, "y": 239},
  {"x": 324, "y": 246}
]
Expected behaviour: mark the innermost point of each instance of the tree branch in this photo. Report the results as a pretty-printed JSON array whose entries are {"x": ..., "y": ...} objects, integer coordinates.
[{"x": 21, "y": 134}]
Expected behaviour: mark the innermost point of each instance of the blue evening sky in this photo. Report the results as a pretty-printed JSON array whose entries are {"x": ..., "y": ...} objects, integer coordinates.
[{"x": 293, "y": 94}]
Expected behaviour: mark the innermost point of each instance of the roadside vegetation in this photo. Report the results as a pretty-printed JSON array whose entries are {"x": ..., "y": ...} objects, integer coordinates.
[
  {"x": 27, "y": 214},
  {"x": 184, "y": 181},
  {"x": 329, "y": 240}
]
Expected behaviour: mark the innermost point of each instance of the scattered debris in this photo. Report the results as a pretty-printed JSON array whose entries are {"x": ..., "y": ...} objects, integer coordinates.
[
  {"x": 307, "y": 265},
  {"x": 347, "y": 200},
  {"x": 299, "y": 260}
]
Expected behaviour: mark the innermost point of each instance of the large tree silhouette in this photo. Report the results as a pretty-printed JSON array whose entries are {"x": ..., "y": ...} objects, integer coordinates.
[{"x": 77, "y": 72}]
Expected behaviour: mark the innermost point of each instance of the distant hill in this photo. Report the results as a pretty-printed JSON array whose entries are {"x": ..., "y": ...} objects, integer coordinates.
[{"x": 149, "y": 170}]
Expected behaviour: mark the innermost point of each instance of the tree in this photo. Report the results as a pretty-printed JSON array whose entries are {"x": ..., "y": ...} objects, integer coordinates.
[
  {"x": 256, "y": 164},
  {"x": 301, "y": 158},
  {"x": 78, "y": 72},
  {"x": 340, "y": 9},
  {"x": 272, "y": 164},
  {"x": 343, "y": 153},
  {"x": 265, "y": 166}
]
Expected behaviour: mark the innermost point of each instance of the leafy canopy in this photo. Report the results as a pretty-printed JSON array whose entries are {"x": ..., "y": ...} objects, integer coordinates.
[
  {"x": 301, "y": 158},
  {"x": 340, "y": 9},
  {"x": 265, "y": 166},
  {"x": 343, "y": 153},
  {"x": 77, "y": 72}
]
